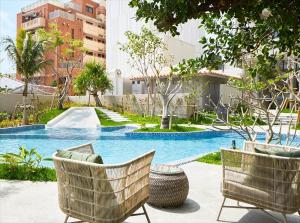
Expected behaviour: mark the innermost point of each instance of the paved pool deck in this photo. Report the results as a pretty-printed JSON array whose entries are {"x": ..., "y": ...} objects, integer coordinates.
[{"x": 27, "y": 202}]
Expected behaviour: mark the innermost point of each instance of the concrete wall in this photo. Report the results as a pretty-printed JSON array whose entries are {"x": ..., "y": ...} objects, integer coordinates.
[
  {"x": 121, "y": 18},
  {"x": 8, "y": 101},
  {"x": 227, "y": 93},
  {"x": 137, "y": 103}
]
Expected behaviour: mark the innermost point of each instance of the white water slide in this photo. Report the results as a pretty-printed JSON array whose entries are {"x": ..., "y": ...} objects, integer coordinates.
[{"x": 76, "y": 117}]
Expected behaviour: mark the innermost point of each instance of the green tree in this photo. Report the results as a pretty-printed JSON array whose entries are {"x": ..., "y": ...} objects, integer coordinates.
[
  {"x": 93, "y": 78},
  {"x": 147, "y": 55},
  {"x": 241, "y": 29},
  {"x": 69, "y": 55},
  {"x": 254, "y": 35},
  {"x": 27, "y": 53},
  {"x": 145, "y": 50}
]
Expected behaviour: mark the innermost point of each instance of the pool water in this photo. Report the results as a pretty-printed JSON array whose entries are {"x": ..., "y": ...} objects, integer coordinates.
[{"x": 117, "y": 145}]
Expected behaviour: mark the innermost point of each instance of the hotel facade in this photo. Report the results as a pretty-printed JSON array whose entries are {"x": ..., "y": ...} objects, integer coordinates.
[{"x": 84, "y": 20}]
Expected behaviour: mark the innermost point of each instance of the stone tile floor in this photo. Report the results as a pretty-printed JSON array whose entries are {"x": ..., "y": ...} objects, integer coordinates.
[{"x": 27, "y": 202}]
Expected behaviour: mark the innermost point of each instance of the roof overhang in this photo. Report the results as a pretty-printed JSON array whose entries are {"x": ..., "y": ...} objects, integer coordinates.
[{"x": 165, "y": 73}]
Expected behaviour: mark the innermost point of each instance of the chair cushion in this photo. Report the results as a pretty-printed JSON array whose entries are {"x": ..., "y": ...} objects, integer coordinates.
[
  {"x": 91, "y": 158},
  {"x": 247, "y": 194},
  {"x": 293, "y": 154}
]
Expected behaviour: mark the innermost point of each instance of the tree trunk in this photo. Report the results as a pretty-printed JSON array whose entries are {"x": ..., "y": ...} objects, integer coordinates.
[
  {"x": 61, "y": 102},
  {"x": 97, "y": 100},
  {"x": 164, "y": 123},
  {"x": 25, "y": 113},
  {"x": 153, "y": 99},
  {"x": 148, "y": 100}
]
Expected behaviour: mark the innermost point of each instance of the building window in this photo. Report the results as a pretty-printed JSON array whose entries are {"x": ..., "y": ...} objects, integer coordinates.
[
  {"x": 88, "y": 37},
  {"x": 89, "y": 9},
  {"x": 138, "y": 82},
  {"x": 89, "y": 53},
  {"x": 90, "y": 23},
  {"x": 133, "y": 82}
]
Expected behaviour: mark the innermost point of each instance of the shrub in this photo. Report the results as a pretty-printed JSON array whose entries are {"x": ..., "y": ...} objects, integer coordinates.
[
  {"x": 20, "y": 172},
  {"x": 10, "y": 123},
  {"x": 24, "y": 166},
  {"x": 4, "y": 116}
]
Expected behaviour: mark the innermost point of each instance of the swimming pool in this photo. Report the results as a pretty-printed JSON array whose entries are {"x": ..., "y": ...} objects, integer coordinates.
[{"x": 118, "y": 144}]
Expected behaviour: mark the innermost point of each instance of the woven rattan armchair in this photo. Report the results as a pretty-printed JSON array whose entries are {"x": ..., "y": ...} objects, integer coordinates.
[
  {"x": 265, "y": 181},
  {"x": 99, "y": 193}
]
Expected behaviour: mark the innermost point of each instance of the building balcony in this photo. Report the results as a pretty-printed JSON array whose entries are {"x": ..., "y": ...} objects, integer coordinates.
[
  {"x": 61, "y": 14},
  {"x": 101, "y": 18},
  {"x": 88, "y": 58},
  {"x": 93, "y": 30},
  {"x": 93, "y": 45},
  {"x": 33, "y": 24}
]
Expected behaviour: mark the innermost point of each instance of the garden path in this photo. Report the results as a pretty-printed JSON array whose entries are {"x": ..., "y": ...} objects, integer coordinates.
[{"x": 116, "y": 117}]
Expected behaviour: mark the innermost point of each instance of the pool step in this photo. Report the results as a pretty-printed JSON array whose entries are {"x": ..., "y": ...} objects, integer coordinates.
[{"x": 116, "y": 117}]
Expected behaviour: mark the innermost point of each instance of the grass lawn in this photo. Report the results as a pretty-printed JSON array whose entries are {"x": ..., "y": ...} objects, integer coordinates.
[
  {"x": 297, "y": 127},
  {"x": 212, "y": 158},
  {"x": 288, "y": 110},
  {"x": 47, "y": 115},
  {"x": 106, "y": 121},
  {"x": 20, "y": 172},
  {"x": 175, "y": 128},
  {"x": 139, "y": 119}
]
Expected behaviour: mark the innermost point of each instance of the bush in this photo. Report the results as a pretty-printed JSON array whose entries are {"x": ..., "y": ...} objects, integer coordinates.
[
  {"x": 10, "y": 123},
  {"x": 4, "y": 116},
  {"x": 25, "y": 166},
  {"x": 21, "y": 172}
]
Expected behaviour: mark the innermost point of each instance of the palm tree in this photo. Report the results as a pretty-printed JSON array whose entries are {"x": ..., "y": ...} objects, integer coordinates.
[
  {"x": 27, "y": 53},
  {"x": 94, "y": 79}
]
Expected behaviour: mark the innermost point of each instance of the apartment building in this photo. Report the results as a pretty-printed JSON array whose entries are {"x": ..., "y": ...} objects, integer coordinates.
[{"x": 80, "y": 19}]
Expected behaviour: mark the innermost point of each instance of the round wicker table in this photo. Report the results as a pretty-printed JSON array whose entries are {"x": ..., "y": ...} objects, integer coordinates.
[{"x": 169, "y": 186}]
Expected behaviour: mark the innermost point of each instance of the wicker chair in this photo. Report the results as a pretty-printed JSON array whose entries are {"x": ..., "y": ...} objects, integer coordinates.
[
  {"x": 99, "y": 193},
  {"x": 265, "y": 181}
]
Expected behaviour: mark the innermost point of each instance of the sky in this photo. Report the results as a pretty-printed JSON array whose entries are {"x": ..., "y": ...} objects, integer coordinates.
[{"x": 8, "y": 23}]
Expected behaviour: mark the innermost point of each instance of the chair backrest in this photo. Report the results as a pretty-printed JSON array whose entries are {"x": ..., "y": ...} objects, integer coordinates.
[
  {"x": 102, "y": 193},
  {"x": 250, "y": 145},
  {"x": 248, "y": 175}
]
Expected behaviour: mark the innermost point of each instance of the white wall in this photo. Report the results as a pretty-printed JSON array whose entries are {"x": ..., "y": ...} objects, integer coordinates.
[
  {"x": 8, "y": 101},
  {"x": 137, "y": 103},
  {"x": 121, "y": 18},
  {"x": 179, "y": 49}
]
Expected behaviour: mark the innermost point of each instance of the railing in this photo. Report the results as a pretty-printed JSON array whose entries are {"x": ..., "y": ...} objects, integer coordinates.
[
  {"x": 88, "y": 58},
  {"x": 42, "y": 2},
  {"x": 93, "y": 30},
  {"x": 33, "y": 24},
  {"x": 101, "y": 18},
  {"x": 73, "y": 5},
  {"x": 93, "y": 45},
  {"x": 62, "y": 14}
]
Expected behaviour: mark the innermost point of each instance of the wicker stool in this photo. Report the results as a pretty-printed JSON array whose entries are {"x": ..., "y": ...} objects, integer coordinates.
[{"x": 169, "y": 186}]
